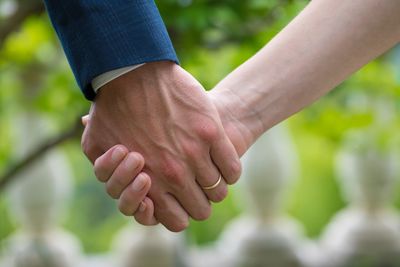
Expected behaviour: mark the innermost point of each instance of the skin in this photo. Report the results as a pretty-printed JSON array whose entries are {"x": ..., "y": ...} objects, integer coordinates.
[
  {"x": 321, "y": 47},
  {"x": 164, "y": 114}
]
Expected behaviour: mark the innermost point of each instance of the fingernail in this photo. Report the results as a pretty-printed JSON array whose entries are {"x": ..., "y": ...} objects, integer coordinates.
[
  {"x": 117, "y": 154},
  {"x": 142, "y": 207},
  {"x": 139, "y": 183},
  {"x": 130, "y": 162}
]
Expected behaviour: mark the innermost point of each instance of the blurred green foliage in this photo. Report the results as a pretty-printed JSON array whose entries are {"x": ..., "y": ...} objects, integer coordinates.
[{"x": 212, "y": 37}]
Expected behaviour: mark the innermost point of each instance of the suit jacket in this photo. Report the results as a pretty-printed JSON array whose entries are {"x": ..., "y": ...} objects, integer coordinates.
[{"x": 102, "y": 35}]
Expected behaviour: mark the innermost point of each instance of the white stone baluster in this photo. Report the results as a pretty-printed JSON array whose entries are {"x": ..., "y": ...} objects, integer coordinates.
[
  {"x": 37, "y": 202},
  {"x": 149, "y": 246},
  {"x": 264, "y": 236},
  {"x": 367, "y": 232}
]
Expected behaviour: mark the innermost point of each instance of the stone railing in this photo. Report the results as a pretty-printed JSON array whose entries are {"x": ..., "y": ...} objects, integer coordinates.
[{"x": 366, "y": 233}]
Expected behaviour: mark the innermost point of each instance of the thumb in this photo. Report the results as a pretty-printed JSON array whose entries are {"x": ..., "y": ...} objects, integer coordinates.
[{"x": 85, "y": 120}]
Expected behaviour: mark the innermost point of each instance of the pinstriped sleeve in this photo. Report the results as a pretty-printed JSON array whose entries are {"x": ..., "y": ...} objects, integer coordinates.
[{"x": 103, "y": 35}]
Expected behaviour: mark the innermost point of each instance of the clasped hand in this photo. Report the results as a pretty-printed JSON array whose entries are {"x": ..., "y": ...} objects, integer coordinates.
[{"x": 156, "y": 140}]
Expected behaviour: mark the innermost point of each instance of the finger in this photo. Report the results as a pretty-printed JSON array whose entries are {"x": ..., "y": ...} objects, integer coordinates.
[
  {"x": 134, "y": 194},
  {"x": 224, "y": 156},
  {"x": 168, "y": 211},
  {"x": 123, "y": 175},
  {"x": 194, "y": 201},
  {"x": 207, "y": 175},
  {"x": 105, "y": 165},
  {"x": 85, "y": 120},
  {"x": 219, "y": 193},
  {"x": 145, "y": 214},
  {"x": 181, "y": 183}
]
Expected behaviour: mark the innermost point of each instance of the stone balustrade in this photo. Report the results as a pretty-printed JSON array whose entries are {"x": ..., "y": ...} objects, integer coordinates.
[{"x": 366, "y": 233}]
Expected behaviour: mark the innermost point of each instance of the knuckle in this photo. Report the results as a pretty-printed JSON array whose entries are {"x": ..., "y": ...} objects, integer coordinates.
[
  {"x": 89, "y": 149},
  {"x": 191, "y": 149},
  {"x": 178, "y": 225},
  {"x": 118, "y": 182},
  {"x": 145, "y": 221},
  {"x": 99, "y": 172},
  {"x": 141, "y": 220},
  {"x": 138, "y": 158},
  {"x": 208, "y": 131},
  {"x": 100, "y": 177},
  {"x": 174, "y": 174},
  {"x": 202, "y": 213},
  {"x": 220, "y": 194},
  {"x": 236, "y": 171},
  {"x": 111, "y": 190},
  {"x": 123, "y": 208}
]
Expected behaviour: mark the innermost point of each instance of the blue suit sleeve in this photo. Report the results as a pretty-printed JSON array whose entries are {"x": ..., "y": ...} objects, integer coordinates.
[{"x": 102, "y": 35}]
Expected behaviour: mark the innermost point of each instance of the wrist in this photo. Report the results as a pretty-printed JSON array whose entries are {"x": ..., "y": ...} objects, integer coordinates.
[
  {"x": 133, "y": 79},
  {"x": 104, "y": 78},
  {"x": 259, "y": 101},
  {"x": 240, "y": 122}
]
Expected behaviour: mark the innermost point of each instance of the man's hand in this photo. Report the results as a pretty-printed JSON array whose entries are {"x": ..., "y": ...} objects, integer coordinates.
[
  {"x": 162, "y": 112},
  {"x": 108, "y": 167}
]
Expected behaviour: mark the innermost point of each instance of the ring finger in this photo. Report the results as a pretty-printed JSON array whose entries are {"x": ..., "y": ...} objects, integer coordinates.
[{"x": 208, "y": 176}]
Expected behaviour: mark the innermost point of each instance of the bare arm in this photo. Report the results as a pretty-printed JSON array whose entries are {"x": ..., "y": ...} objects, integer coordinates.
[{"x": 321, "y": 47}]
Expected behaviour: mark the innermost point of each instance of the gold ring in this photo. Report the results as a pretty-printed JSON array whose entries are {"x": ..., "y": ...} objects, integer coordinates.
[{"x": 214, "y": 185}]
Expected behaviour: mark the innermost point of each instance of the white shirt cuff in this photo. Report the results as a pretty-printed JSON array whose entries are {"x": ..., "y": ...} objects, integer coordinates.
[{"x": 107, "y": 77}]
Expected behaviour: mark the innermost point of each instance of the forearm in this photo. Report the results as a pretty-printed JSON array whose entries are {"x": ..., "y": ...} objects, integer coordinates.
[{"x": 322, "y": 46}]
